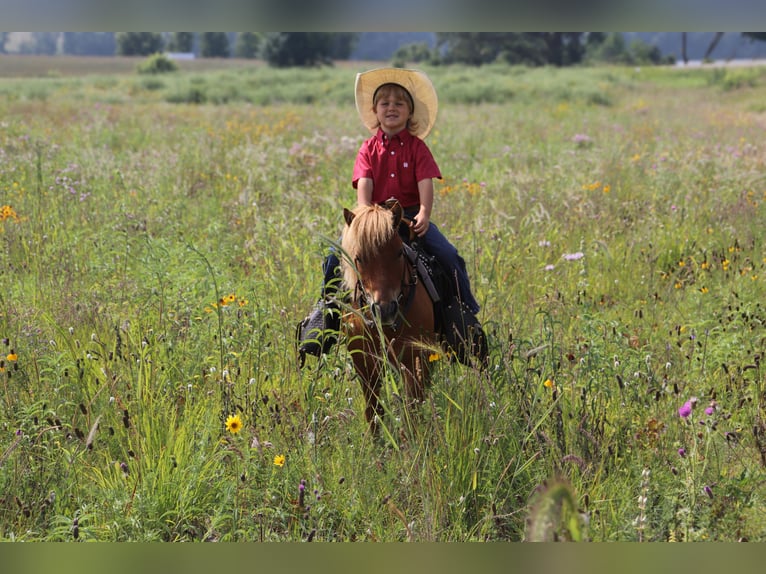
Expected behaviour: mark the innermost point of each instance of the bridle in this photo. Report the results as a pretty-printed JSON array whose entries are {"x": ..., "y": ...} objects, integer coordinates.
[{"x": 404, "y": 299}]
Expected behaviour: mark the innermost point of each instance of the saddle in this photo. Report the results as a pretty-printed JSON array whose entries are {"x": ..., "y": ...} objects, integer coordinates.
[{"x": 460, "y": 332}]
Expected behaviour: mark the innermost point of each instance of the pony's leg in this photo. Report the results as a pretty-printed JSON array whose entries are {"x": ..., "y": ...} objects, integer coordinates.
[
  {"x": 413, "y": 376},
  {"x": 368, "y": 369}
]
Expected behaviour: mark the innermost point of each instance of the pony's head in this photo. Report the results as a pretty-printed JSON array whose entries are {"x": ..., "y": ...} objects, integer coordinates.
[{"x": 375, "y": 257}]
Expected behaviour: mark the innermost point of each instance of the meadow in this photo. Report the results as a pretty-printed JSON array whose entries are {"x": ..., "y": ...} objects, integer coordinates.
[{"x": 162, "y": 235}]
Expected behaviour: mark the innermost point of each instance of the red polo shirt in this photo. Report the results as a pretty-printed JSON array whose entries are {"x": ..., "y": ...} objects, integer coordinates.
[{"x": 395, "y": 164}]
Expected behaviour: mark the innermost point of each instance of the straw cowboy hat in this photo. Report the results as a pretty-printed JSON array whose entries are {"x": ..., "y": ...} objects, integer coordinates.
[{"x": 415, "y": 82}]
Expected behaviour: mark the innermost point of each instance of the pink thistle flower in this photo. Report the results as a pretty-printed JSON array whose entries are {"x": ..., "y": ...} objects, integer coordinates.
[{"x": 685, "y": 410}]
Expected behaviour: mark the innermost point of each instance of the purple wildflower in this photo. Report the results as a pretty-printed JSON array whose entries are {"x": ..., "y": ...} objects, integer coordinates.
[
  {"x": 682, "y": 452},
  {"x": 581, "y": 139},
  {"x": 685, "y": 410},
  {"x": 708, "y": 491},
  {"x": 574, "y": 256},
  {"x": 709, "y": 411}
]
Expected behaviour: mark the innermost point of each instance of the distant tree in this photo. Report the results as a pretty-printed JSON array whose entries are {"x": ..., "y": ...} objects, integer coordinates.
[
  {"x": 525, "y": 49},
  {"x": 342, "y": 44},
  {"x": 138, "y": 43},
  {"x": 474, "y": 48},
  {"x": 247, "y": 44},
  {"x": 181, "y": 42},
  {"x": 417, "y": 52},
  {"x": 285, "y": 49},
  {"x": 530, "y": 48},
  {"x": 755, "y": 36},
  {"x": 594, "y": 39},
  {"x": 643, "y": 53},
  {"x": 612, "y": 49},
  {"x": 383, "y": 45},
  {"x": 3, "y": 38},
  {"x": 565, "y": 48},
  {"x": 45, "y": 43},
  {"x": 214, "y": 45},
  {"x": 89, "y": 43}
]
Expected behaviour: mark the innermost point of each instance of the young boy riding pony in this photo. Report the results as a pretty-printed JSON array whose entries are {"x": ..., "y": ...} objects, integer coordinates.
[{"x": 399, "y": 108}]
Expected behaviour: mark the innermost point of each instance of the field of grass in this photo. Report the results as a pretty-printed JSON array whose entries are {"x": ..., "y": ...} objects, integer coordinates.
[{"x": 160, "y": 237}]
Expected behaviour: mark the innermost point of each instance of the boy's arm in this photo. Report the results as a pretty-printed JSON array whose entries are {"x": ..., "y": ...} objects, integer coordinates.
[
  {"x": 364, "y": 191},
  {"x": 423, "y": 218}
]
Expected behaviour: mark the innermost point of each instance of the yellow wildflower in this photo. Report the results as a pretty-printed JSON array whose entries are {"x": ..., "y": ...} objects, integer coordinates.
[
  {"x": 234, "y": 424},
  {"x": 7, "y": 212},
  {"x": 279, "y": 460}
]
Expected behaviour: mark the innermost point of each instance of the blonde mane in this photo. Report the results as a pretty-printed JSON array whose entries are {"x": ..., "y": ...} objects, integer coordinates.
[{"x": 371, "y": 229}]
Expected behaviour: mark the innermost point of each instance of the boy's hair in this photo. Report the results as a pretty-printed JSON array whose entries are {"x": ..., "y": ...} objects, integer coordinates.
[{"x": 397, "y": 91}]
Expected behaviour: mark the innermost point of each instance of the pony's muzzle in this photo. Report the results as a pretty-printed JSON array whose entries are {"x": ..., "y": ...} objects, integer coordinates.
[{"x": 385, "y": 312}]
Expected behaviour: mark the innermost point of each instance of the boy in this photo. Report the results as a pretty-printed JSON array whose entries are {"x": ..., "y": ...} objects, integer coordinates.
[{"x": 399, "y": 108}]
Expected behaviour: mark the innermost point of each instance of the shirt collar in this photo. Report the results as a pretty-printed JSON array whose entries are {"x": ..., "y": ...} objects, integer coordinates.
[{"x": 404, "y": 136}]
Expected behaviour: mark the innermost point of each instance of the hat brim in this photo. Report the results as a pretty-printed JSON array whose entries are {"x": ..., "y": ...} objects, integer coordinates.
[{"x": 414, "y": 81}]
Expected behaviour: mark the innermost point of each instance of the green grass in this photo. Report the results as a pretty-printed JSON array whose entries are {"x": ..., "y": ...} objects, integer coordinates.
[{"x": 133, "y": 214}]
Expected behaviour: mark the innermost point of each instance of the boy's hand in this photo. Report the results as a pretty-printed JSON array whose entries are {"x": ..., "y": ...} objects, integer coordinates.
[{"x": 420, "y": 224}]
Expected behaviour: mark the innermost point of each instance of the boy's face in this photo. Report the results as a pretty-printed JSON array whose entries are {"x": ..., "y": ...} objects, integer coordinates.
[{"x": 392, "y": 110}]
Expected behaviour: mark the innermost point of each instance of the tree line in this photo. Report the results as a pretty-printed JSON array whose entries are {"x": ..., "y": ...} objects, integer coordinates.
[
  {"x": 285, "y": 49},
  {"x": 278, "y": 48}
]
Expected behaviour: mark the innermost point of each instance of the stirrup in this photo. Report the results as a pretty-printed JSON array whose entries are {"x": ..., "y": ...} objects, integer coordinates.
[{"x": 317, "y": 333}]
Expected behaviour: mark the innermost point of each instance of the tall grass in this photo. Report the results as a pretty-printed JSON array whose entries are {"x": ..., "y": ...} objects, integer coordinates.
[{"x": 158, "y": 248}]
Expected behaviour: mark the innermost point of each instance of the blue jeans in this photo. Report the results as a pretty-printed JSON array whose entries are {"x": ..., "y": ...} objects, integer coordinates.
[
  {"x": 434, "y": 243},
  {"x": 453, "y": 263}
]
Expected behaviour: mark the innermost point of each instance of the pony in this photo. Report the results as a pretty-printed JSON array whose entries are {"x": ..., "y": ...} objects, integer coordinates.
[{"x": 390, "y": 318}]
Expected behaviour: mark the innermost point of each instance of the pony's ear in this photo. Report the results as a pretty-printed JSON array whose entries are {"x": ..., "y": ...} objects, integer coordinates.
[
  {"x": 396, "y": 210},
  {"x": 348, "y": 215}
]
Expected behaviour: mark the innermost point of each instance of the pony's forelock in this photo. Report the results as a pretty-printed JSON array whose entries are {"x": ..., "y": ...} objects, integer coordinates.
[{"x": 371, "y": 229}]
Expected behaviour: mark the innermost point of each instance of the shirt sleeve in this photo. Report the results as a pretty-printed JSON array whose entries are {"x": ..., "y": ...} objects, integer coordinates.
[
  {"x": 425, "y": 164},
  {"x": 362, "y": 165}
]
